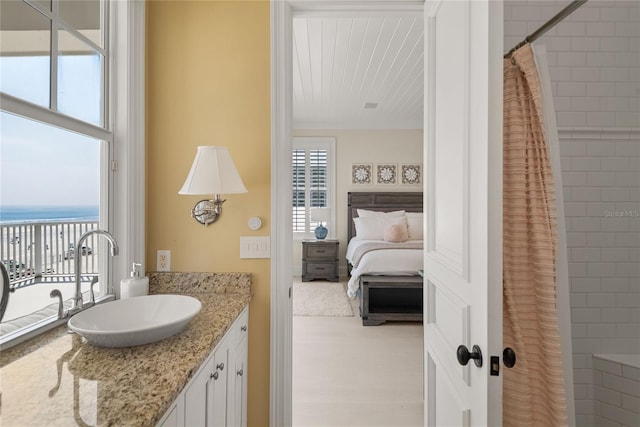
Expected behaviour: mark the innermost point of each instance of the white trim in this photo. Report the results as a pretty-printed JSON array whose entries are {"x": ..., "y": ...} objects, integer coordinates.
[
  {"x": 53, "y": 54},
  {"x": 128, "y": 191},
  {"x": 42, "y": 114},
  {"x": 280, "y": 373},
  {"x": 495, "y": 17},
  {"x": 356, "y": 8}
]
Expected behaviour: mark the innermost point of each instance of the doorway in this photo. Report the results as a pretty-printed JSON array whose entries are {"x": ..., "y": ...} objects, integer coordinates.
[{"x": 281, "y": 332}]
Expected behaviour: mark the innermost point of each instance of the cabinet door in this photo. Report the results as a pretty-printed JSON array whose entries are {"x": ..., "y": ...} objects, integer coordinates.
[
  {"x": 239, "y": 407},
  {"x": 196, "y": 396},
  {"x": 219, "y": 385},
  {"x": 236, "y": 393},
  {"x": 171, "y": 418},
  {"x": 241, "y": 328}
]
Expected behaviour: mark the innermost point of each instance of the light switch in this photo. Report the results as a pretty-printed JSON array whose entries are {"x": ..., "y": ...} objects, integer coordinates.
[{"x": 255, "y": 247}]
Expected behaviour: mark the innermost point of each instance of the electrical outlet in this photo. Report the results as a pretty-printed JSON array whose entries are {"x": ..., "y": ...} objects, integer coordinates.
[{"x": 164, "y": 261}]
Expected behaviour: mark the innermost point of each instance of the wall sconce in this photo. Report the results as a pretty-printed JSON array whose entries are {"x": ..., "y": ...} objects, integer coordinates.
[{"x": 212, "y": 172}]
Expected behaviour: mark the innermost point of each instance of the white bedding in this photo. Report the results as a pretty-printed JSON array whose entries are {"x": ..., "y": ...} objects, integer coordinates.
[{"x": 394, "y": 261}]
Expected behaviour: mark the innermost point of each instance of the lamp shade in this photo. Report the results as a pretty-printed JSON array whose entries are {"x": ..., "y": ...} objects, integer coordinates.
[
  {"x": 320, "y": 214},
  {"x": 213, "y": 172}
]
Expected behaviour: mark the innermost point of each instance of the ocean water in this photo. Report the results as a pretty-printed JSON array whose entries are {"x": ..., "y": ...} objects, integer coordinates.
[{"x": 48, "y": 213}]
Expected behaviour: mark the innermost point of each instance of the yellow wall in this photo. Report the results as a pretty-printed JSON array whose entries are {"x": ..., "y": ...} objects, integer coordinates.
[{"x": 208, "y": 84}]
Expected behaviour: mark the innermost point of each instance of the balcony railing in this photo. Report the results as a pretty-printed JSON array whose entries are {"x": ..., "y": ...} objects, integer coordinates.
[{"x": 36, "y": 251}]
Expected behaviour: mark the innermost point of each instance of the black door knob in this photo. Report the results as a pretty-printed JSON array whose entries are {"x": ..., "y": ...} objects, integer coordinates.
[
  {"x": 464, "y": 355},
  {"x": 509, "y": 357}
]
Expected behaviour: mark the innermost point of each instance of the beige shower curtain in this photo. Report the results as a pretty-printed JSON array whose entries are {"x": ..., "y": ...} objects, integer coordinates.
[{"x": 534, "y": 392}]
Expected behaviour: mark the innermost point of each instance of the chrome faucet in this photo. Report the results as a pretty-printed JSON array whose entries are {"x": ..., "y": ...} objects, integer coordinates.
[
  {"x": 57, "y": 294},
  {"x": 77, "y": 299}
]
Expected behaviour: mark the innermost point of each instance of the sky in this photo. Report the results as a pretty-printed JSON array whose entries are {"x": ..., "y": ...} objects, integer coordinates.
[{"x": 39, "y": 164}]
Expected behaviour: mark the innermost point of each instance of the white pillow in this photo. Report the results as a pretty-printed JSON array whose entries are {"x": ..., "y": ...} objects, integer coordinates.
[
  {"x": 373, "y": 227},
  {"x": 414, "y": 225},
  {"x": 362, "y": 213}
]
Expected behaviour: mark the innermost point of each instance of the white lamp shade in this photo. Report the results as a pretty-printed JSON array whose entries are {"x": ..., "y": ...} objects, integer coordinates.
[
  {"x": 320, "y": 214},
  {"x": 213, "y": 172}
]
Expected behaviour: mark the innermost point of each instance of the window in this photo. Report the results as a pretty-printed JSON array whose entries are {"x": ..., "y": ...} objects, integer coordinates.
[
  {"x": 57, "y": 157},
  {"x": 313, "y": 181},
  {"x": 54, "y": 55}
]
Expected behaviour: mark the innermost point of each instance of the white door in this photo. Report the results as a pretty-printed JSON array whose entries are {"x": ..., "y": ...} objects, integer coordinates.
[{"x": 463, "y": 193}]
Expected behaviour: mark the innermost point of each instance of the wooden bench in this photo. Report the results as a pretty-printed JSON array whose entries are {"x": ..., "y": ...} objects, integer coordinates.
[{"x": 390, "y": 298}]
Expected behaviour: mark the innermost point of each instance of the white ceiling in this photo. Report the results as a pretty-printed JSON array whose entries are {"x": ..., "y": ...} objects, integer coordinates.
[{"x": 342, "y": 62}]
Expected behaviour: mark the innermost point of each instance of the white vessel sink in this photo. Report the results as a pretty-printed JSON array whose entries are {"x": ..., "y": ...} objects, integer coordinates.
[{"x": 135, "y": 321}]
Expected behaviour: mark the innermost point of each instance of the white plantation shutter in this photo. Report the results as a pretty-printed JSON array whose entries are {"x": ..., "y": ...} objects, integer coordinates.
[
  {"x": 318, "y": 185},
  {"x": 299, "y": 190},
  {"x": 312, "y": 181}
]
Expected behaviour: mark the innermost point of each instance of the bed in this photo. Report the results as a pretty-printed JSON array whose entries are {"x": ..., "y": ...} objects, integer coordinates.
[{"x": 385, "y": 255}]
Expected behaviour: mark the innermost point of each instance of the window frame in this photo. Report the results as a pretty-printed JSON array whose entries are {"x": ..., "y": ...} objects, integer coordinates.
[
  {"x": 318, "y": 143},
  {"x": 122, "y": 209}
]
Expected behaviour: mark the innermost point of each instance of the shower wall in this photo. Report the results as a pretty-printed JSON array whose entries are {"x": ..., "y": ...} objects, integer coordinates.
[{"x": 594, "y": 60}]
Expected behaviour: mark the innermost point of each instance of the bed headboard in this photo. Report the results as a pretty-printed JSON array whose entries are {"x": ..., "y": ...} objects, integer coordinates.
[{"x": 380, "y": 201}]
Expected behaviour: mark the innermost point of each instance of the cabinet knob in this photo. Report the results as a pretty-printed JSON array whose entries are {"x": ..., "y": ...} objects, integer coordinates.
[
  {"x": 214, "y": 375},
  {"x": 240, "y": 372},
  {"x": 220, "y": 366},
  {"x": 243, "y": 328}
]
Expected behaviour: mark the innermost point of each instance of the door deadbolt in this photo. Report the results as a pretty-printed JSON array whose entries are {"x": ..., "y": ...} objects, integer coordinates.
[{"x": 509, "y": 357}]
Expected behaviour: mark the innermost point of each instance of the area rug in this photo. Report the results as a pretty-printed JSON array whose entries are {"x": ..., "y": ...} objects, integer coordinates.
[{"x": 319, "y": 298}]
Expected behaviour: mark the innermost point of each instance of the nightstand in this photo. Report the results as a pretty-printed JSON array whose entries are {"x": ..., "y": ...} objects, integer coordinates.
[{"x": 320, "y": 260}]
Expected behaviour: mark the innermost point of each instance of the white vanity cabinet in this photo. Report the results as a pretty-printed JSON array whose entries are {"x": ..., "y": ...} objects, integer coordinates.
[
  {"x": 195, "y": 395},
  {"x": 216, "y": 396},
  {"x": 170, "y": 419},
  {"x": 237, "y": 416}
]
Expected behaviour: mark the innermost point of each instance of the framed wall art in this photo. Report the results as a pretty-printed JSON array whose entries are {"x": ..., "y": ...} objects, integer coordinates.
[
  {"x": 361, "y": 173},
  {"x": 386, "y": 174},
  {"x": 411, "y": 174}
]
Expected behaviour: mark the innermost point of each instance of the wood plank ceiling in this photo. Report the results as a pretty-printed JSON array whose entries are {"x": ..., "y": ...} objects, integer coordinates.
[{"x": 358, "y": 72}]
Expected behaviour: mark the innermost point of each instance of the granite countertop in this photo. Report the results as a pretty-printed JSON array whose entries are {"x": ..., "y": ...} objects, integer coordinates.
[{"x": 57, "y": 379}]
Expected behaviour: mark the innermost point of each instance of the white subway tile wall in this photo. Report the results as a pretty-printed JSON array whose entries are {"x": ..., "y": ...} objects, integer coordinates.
[
  {"x": 616, "y": 393},
  {"x": 603, "y": 238},
  {"x": 594, "y": 59}
]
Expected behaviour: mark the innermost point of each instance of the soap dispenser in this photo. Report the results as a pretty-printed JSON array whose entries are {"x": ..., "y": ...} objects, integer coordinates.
[{"x": 135, "y": 285}]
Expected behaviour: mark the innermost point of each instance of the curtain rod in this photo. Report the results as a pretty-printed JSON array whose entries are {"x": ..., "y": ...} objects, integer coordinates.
[{"x": 547, "y": 25}]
